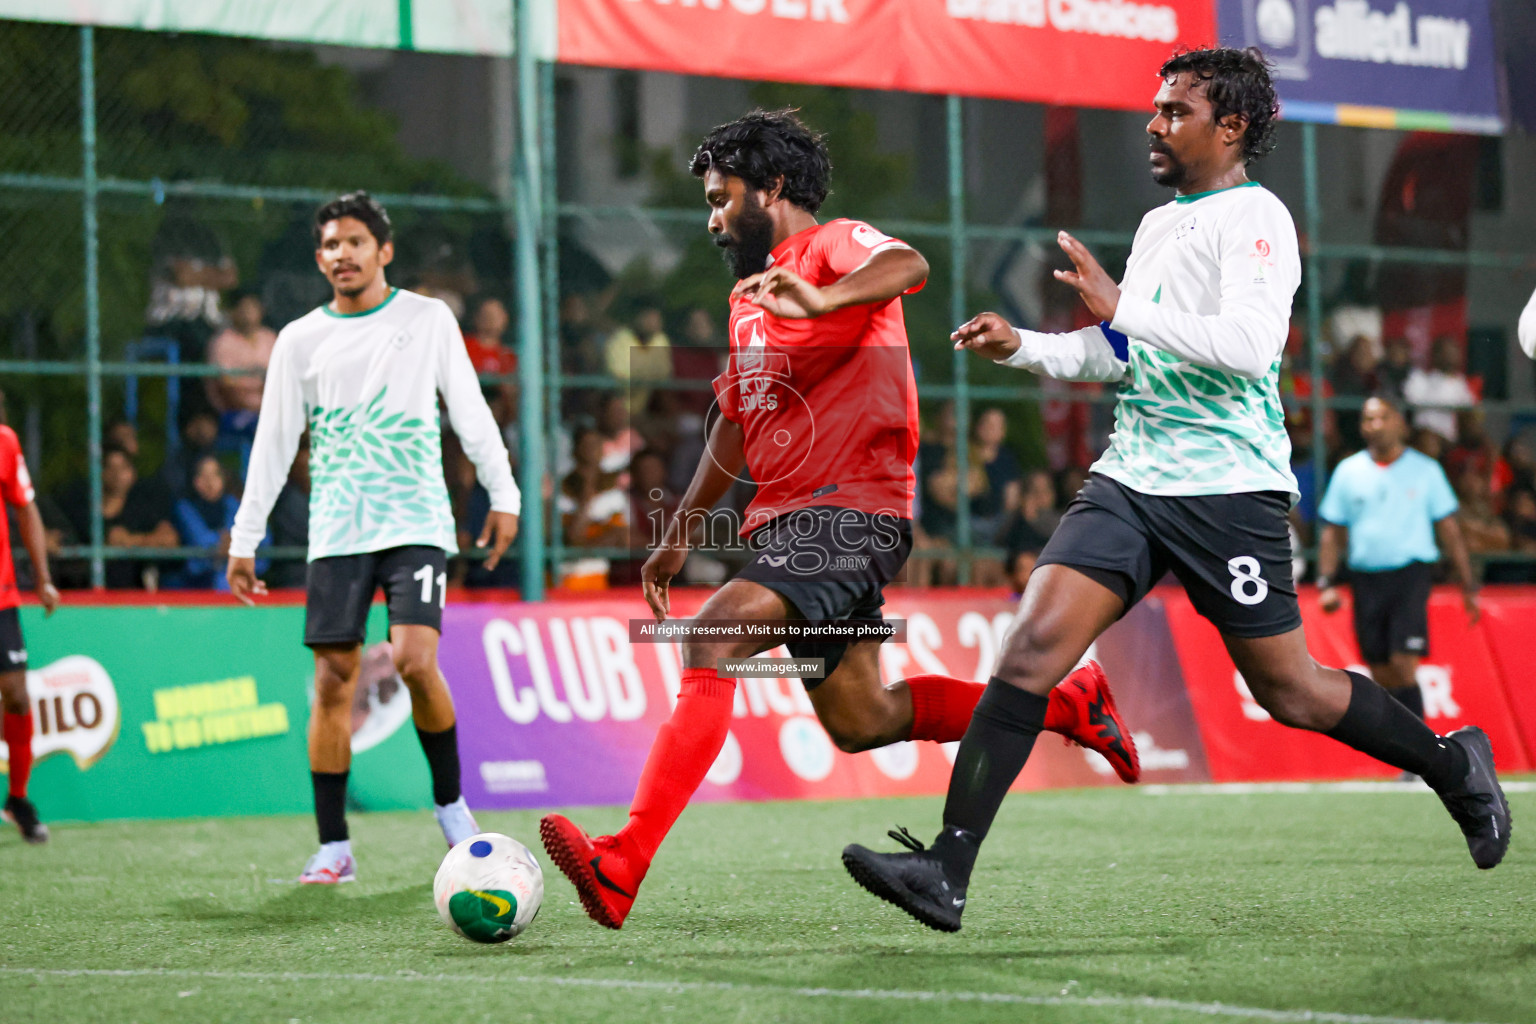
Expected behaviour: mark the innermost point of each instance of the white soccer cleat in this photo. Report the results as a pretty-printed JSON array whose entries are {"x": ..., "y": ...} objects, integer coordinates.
[
  {"x": 331, "y": 865},
  {"x": 456, "y": 822}
]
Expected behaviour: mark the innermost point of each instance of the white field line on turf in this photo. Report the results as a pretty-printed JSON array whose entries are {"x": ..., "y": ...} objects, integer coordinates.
[
  {"x": 728, "y": 987},
  {"x": 1246, "y": 788}
]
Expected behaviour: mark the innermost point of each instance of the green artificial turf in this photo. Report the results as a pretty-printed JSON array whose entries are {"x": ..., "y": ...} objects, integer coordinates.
[{"x": 1341, "y": 903}]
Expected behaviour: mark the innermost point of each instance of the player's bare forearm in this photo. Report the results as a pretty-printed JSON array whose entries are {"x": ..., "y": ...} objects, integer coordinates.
[
  {"x": 1448, "y": 533},
  {"x": 35, "y": 539},
  {"x": 723, "y": 459},
  {"x": 882, "y": 277},
  {"x": 1329, "y": 545}
]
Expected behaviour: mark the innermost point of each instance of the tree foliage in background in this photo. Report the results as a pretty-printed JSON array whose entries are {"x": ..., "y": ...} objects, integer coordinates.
[{"x": 170, "y": 108}]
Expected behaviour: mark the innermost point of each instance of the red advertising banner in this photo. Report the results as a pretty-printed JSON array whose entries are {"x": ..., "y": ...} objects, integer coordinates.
[
  {"x": 1461, "y": 682},
  {"x": 1509, "y": 623},
  {"x": 1086, "y": 53}
]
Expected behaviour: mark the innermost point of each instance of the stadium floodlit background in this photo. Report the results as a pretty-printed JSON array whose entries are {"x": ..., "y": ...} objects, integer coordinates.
[{"x": 158, "y": 180}]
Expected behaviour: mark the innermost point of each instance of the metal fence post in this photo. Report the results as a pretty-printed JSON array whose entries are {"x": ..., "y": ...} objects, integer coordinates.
[
  {"x": 526, "y": 194},
  {"x": 88, "y": 200},
  {"x": 954, "y": 123},
  {"x": 550, "y": 280},
  {"x": 1314, "y": 277}
]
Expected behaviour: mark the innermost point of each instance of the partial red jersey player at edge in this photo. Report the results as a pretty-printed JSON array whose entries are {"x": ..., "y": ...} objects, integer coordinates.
[{"x": 818, "y": 403}]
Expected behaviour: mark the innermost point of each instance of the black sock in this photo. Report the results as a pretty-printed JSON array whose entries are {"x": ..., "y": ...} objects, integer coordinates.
[
  {"x": 330, "y": 805},
  {"x": 1410, "y": 697},
  {"x": 442, "y": 750},
  {"x": 996, "y": 745},
  {"x": 1377, "y": 725}
]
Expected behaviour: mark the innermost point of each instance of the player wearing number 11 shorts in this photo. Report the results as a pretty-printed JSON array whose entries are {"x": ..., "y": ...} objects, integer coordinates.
[
  {"x": 1196, "y": 481},
  {"x": 363, "y": 374}
]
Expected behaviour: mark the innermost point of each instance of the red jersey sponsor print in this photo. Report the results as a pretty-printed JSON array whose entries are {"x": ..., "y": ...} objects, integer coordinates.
[
  {"x": 16, "y": 489},
  {"x": 828, "y": 405}
]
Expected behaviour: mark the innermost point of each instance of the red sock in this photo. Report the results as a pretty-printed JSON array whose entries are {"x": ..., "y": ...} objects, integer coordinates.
[
  {"x": 942, "y": 707},
  {"x": 684, "y": 748},
  {"x": 18, "y": 738}
]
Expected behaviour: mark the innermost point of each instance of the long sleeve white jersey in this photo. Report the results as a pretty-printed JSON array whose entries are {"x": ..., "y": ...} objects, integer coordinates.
[
  {"x": 366, "y": 387},
  {"x": 1526, "y": 331},
  {"x": 1205, "y": 307}
]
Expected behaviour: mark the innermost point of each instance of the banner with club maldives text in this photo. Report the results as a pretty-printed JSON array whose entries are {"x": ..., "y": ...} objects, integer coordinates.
[
  {"x": 1411, "y": 64},
  {"x": 557, "y": 707},
  {"x": 1085, "y": 53}
]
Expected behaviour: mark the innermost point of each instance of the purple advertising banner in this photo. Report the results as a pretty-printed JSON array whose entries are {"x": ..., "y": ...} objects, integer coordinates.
[
  {"x": 558, "y": 707},
  {"x": 1411, "y": 64}
]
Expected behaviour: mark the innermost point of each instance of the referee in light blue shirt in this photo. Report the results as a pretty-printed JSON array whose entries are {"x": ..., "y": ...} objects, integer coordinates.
[{"x": 1392, "y": 503}]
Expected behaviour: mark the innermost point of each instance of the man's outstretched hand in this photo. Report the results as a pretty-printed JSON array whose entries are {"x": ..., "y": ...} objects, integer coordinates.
[
  {"x": 785, "y": 294},
  {"x": 988, "y": 335},
  {"x": 1100, "y": 293}
]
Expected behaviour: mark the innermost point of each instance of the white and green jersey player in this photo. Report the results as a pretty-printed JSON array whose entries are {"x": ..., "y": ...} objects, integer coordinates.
[
  {"x": 363, "y": 375},
  {"x": 366, "y": 388},
  {"x": 1205, "y": 307}
]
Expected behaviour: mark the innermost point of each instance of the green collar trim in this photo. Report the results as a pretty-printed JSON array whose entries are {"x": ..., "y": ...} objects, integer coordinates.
[
  {"x": 367, "y": 312},
  {"x": 1213, "y": 192}
]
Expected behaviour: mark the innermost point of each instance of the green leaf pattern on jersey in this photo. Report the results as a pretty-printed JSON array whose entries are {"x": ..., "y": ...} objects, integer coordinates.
[
  {"x": 1187, "y": 429},
  {"x": 373, "y": 471}
]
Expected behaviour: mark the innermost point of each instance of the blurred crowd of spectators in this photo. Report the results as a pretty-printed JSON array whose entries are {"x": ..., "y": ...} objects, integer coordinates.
[{"x": 634, "y": 413}]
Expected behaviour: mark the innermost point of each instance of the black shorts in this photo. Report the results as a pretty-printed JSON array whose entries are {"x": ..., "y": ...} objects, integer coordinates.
[
  {"x": 13, "y": 652},
  {"x": 340, "y": 591},
  {"x": 1392, "y": 611},
  {"x": 830, "y": 564},
  {"x": 1232, "y": 552}
]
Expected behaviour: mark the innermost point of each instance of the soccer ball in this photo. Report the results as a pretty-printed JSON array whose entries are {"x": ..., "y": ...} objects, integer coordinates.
[{"x": 489, "y": 888}]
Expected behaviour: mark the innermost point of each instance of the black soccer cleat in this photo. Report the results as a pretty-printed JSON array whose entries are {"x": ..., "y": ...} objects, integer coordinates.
[
  {"x": 1477, "y": 803},
  {"x": 916, "y": 882},
  {"x": 20, "y": 812}
]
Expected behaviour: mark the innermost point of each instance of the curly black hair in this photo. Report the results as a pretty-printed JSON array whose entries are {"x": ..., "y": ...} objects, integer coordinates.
[
  {"x": 1239, "y": 83},
  {"x": 765, "y": 145},
  {"x": 359, "y": 205}
]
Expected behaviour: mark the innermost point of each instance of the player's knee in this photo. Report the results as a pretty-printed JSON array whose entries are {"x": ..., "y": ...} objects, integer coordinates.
[
  {"x": 416, "y": 665},
  {"x": 1028, "y": 655},
  {"x": 854, "y": 737}
]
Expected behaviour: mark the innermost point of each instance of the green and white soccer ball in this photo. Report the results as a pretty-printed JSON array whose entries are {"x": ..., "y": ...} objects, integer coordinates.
[{"x": 489, "y": 888}]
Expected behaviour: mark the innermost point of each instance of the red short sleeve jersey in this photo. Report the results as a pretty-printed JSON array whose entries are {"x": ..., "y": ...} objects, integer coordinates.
[
  {"x": 828, "y": 405},
  {"x": 16, "y": 489}
]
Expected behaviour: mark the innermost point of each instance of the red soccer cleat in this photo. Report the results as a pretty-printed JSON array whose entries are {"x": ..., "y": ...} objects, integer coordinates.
[
  {"x": 1083, "y": 710},
  {"x": 605, "y": 878}
]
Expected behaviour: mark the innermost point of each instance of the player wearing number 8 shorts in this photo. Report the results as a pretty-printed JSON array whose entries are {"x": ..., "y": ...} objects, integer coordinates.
[
  {"x": 1196, "y": 481},
  {"x": 363, "y": 374}
]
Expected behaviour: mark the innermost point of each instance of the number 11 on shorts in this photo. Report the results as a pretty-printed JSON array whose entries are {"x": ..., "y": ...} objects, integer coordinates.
[{"x": 425, "y": 575}]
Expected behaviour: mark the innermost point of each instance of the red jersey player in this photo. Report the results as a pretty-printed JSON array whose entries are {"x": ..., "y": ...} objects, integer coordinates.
[
  {"x": 818, "y": 401},
  {"x": 15, "y": 707}
]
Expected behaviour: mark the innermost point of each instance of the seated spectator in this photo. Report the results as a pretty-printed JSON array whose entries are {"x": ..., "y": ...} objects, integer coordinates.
[
  {"x": 288, "y": 525},
  {"x": 992, "y": 509},
  {"x": 135, "y": 514},
  {"x": 1429, "y": 442},
  {"x": 203, "y": 520},
  {"x": 620, "y": 440},
  {"x": 640, "y": 352},
  {"x": 1475, "y": 450},
  {"x": 485, "y": 341},
  {"x": 1355, "y": 376},
  {"x": 1520, "y": 515},
  {"x": 700, "y": 357},
  {"x": 190, "y": 268},
  {"x": 245, "y": 345},
  {"x": 594, "y": 513},
  {"x": 1017, "y": 567},
  {"x": 1520, "y": 457},
  {"x": 199, "y": 438},
  {"x": 1395, "y": 366},
  {"x": 1037, "y": 517},
  {"x": 1442, "y": 389},
  {"x": 1485, "y": 532}
]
